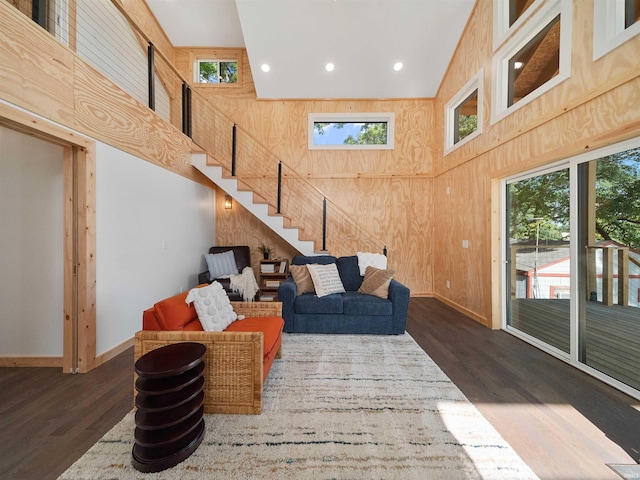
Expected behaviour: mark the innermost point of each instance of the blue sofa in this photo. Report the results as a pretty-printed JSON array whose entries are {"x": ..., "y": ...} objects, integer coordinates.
[{"x": 349, "y": 312}]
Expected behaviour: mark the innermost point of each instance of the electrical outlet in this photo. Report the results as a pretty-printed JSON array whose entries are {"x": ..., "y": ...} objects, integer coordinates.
[
  {"x": 465, "y": 243},
  {"x": 447, "y": 284},
  {"x": 164, "y": 244},
  {"x": 181, "y": 289}
]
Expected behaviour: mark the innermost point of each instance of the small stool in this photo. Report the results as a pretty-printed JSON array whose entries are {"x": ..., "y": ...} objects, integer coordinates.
[{"x": 169, "y": 421}]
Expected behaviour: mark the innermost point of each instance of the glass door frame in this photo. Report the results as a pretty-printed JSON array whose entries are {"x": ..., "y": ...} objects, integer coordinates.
[{"x": 577, "y": 292}]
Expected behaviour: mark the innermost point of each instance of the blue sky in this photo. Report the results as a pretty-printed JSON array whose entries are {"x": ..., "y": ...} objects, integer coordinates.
[{"x": 336, "y": 136}]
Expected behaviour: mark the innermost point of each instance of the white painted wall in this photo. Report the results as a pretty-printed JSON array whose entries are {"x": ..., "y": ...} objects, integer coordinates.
[
  {"x": 31, "y": 246},
  {"x": 153, "y": 229}
]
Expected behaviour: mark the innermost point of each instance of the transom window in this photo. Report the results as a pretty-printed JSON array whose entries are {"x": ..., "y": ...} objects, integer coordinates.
[{"x": 351, "y": 131}]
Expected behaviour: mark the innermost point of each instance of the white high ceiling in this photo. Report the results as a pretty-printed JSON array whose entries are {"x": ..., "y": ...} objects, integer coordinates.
[{"x": 297, "y": 38}]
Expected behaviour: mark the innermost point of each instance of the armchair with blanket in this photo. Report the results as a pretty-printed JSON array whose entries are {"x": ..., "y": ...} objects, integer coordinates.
[{"x": 228, "y": 266}]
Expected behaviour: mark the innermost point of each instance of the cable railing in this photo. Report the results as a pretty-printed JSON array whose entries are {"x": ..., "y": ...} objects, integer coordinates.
[{"x": 105, "y": 36}]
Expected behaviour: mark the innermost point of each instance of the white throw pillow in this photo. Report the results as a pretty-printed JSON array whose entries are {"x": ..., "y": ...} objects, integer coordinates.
[
  {"x": 326, "y": 279},
  {"x": 221, "y": 264},
  {"x": 366, "y": 259},
  {"x": 212, "y": 306}
]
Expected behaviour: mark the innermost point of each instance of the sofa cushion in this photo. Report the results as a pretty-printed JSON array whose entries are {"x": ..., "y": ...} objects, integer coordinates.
[
  {"x": 360, "y": 304},
  {"x": 326, "y": 279},
  {"x": 310, "y": 303},
  {"x": 173, "y": 313},
  {"x": 302, "y": 278},
  {"x": 270, "y": 326},
  {"x": 349, "y": 273},
  {"x": 376, "y": 282}
]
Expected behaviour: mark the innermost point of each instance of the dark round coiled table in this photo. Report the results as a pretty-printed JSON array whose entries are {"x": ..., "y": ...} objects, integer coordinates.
[{"x": 169, "y": 417}]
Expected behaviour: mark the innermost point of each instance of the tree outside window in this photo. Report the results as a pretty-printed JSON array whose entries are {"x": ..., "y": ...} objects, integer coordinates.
[{"x": 217, "y": 71}]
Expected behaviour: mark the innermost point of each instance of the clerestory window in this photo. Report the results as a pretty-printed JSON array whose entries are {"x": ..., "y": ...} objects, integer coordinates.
[
  {"x": 216, "y": 71},
  {"x": 344, "y": 131}
]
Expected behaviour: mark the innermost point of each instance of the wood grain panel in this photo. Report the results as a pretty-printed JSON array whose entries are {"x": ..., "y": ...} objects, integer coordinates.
[
  {"x": 35, "y": 71},
  {"x": 107, "y": 113},
  {"x": 596, "y": 107},
  {"x": 239, "y": 227}
]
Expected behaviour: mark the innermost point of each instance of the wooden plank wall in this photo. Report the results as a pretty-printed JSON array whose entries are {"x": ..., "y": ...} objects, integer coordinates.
[
  {"x": 400, "y": 195},
  {"x": 599, "y": 105},
  {"x": 387, "y": 191},
  {"x": 42, "y": 76}
]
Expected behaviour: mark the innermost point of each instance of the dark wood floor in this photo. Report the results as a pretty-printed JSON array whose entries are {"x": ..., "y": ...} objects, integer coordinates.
[
  {"x": 49, "y": 419},
  {"x": 563, "y": 423},
  {"x": 612, "y": 333}
]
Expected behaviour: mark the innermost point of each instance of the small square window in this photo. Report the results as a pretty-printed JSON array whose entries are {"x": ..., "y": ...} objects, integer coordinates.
[
  {"x": 534, "y": 60},
  {"x": 536, "y": 63},
  {"x": 466, "y": 117},
  {"x": 217, "y": 71},
  {"x": 463, "y": 114}
]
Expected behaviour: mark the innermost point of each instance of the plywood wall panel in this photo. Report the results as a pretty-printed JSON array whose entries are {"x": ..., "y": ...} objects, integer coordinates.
[
  {"x": 238, "y": 226},
  {"x": 105, "y": 112},
  {"x": 35, "y": 72},
  {"x": 597, "y": 106}
]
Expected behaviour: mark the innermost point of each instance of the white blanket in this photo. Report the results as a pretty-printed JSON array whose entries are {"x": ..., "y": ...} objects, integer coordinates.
[
  {"x": 245, "y": 284},
  {"x": 371, "y": 259}
]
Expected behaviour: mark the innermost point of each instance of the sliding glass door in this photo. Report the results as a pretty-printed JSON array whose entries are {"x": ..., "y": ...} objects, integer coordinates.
[
  {"x": 609, "y": 311},
  {"x": 572, "y": 276},
  {"x": 539, "y": 277}
]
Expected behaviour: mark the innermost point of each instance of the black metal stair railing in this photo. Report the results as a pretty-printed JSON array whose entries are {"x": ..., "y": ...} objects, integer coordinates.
[{"x": 278, "y": 184}]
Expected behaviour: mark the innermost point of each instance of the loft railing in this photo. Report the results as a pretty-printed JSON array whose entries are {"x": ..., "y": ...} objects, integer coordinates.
[{"x": 105, "y": 36}]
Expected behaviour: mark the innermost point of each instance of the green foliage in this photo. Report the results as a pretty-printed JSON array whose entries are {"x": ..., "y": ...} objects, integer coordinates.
[
  {"x": 370, "y": 134},
  {"x": 618, "y": 198},
  {"x": 228, "y": 72},
  {"x": 208, "y": 72},
  {"x": 546, "y": 197},
  {"x": 467, "y": 124}
]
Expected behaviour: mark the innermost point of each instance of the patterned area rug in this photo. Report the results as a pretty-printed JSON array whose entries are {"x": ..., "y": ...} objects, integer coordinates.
[{"x": 336, "y": 406}]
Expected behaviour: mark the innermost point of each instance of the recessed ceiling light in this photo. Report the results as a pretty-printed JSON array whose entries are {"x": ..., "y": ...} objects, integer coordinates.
[
  {"x": 397, "y": 66},
  {"x": 265, "y": 67},
  {"x": 329, "y": 67}
]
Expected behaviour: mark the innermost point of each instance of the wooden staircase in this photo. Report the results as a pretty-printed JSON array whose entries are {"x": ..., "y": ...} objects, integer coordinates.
[{"x": 253, "y": 203}]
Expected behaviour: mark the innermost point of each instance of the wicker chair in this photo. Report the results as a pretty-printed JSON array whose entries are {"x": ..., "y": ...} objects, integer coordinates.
[{"x": 234, "y": 361}]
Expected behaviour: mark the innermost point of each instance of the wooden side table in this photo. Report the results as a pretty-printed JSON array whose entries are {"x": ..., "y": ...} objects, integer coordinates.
[
  {"x": 272, "y": 273},
  {"x": 169, "y": 417}
]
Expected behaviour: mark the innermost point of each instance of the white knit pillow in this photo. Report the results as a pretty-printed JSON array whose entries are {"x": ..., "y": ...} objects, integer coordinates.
[
  {"x": 326, "y": 279},
  {"x": 213, "y": 307}
]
